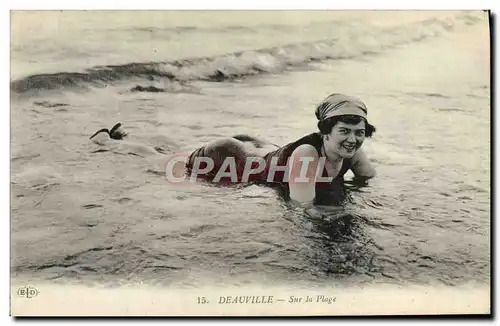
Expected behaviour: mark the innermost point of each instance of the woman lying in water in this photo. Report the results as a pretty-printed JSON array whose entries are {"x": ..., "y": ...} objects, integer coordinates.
[{"x": 309, "y": 170}]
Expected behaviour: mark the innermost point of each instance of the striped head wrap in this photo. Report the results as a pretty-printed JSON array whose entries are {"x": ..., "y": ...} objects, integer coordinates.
[{"x": 339, "y": 104}]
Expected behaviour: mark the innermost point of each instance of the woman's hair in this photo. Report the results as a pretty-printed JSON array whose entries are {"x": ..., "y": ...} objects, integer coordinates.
[{"x": 325, "y": 126}]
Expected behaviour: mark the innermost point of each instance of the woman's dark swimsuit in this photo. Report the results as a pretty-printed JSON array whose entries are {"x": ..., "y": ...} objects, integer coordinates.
[{"x": 326, "y": 193}]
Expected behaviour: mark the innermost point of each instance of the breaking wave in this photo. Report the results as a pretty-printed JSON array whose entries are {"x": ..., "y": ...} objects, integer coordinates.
[{"x": 345, "y": 45}]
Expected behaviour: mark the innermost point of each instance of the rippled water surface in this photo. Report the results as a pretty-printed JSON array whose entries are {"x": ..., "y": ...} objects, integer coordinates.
[{"x": 100, "y": 214}]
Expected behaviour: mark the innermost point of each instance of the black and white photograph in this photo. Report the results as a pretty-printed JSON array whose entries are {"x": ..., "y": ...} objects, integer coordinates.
[{"x": 250, "y": 162}]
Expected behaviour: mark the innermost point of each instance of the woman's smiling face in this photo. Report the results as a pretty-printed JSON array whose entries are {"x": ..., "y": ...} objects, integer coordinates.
[{"x": 345, "y": 139}]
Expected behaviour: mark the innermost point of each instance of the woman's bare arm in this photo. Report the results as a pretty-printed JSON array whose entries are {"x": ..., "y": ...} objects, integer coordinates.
[
  {"x": 361, "y": 165},
  {"x": 302, "y": 174}
]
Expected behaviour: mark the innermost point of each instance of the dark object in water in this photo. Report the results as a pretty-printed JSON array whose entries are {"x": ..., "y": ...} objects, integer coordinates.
[
  {"x": 160, "y": 150},
  {"x": 48, "y": 104},
  {"x": 150, "y": 89},
  {"x": 115, "y": 133}
]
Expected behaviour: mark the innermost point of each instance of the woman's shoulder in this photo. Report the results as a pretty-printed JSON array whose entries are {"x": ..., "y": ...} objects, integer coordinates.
[
  {"x": 306, "y": 150},
  {"x": 305, "y": 143},
  {"x": 314, "y": 139}
]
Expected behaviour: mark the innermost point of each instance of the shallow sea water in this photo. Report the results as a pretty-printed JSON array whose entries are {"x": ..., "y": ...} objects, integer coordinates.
[{"x": 100, "y": 215}]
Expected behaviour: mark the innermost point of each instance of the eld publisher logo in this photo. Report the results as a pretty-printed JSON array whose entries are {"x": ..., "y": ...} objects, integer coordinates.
[{"x": 27, "y": 292}]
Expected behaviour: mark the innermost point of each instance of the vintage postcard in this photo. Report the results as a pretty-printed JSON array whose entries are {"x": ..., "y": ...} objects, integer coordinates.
[{"x": 250, "y": 163}]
